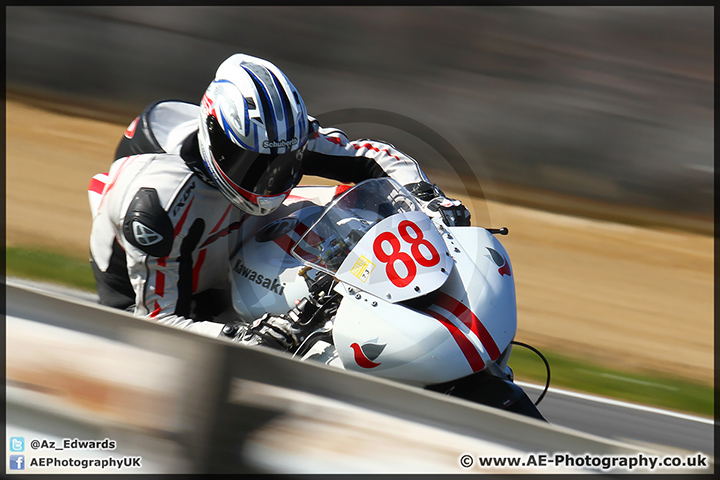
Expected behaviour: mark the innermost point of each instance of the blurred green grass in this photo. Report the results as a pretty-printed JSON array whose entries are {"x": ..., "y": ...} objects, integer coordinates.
[
  {"x": 645, "y": 388},
  {"x": 648, "y": 388},
  {"x": 50, "y": 266}
]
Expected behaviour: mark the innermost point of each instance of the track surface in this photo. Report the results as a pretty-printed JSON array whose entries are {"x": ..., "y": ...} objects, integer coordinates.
[
  {"x": 598, "y": 416},
  {"x": 624, "y": 421}
]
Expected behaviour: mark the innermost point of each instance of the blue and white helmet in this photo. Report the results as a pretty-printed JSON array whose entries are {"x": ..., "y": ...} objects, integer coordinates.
[{"x": 253, "y": 130}]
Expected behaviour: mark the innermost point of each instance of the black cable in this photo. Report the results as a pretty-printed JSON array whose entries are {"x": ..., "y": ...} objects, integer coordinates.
[{"x": 547, "y": 368}]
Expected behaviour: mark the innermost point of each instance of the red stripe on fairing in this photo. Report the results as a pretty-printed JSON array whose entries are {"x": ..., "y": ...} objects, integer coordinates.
[
  {"x": 465, "y": 315},
  {"x": 286, "y": 242},
  {"x": 300, "y": 228},
  {"x": 156, "y": 311},
  {"x": 312, "y": 237},
  {"x": 468, "y": 349},
  {"x": 96, "y": 185}
]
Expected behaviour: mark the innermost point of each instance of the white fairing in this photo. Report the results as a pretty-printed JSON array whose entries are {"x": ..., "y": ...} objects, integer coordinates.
[
  {"x": 451, "y": 319},
  {"x": 401, "y": 277},
  {"x": 446, "y": 339}
]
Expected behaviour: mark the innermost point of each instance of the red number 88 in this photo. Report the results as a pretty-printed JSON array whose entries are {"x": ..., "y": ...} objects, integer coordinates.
[
  {"x": 397, "y": 255},
  {"x": 415, "y": 243}
]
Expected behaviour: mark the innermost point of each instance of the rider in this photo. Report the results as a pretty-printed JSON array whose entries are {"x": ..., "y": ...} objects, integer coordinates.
[{"x": 186, "y": 176}]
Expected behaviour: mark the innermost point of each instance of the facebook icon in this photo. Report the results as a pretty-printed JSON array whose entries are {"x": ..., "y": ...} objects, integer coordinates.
[{"x": 17, "y": 462}]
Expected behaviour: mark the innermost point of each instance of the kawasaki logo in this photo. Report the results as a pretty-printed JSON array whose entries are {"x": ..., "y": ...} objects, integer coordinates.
[
  {"x": 273, "y": 285},
  {"x": 280, "y": 143}
]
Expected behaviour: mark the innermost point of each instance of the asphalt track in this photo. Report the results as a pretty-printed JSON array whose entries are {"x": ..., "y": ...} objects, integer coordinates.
[
  {"x": 599, "y": 416},
  {"x": 624, "y": 421}
]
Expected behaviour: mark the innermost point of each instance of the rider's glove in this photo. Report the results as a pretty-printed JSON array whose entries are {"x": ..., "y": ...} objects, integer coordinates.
[
  {"x": 275, "y": 331},
  {"x": 436, "y": 205},
  {"x": 452, "y": 212}
]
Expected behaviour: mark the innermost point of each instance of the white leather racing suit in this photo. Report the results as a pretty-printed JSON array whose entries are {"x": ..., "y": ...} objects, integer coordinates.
[{"x": 161, "y": 233}]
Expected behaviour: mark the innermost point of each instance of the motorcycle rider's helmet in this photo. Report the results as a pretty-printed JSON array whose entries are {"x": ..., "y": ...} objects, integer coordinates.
[{"x": 252, "y": 134}]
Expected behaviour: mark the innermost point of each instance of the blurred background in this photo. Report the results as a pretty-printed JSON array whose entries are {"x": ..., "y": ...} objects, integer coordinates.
[
  {"x": 603, "y": 112},
  {"x": 610, "y": 104}
]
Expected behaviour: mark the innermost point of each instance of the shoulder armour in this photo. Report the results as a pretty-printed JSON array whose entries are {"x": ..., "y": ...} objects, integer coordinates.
[{"x": 147, "y": 225}]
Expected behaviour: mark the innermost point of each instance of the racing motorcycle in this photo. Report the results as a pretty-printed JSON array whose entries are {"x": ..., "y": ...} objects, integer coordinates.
[{"x": 385, "y": 290}]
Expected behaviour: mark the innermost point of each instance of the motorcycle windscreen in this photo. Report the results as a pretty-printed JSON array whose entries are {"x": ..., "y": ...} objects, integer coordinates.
[
  {"x": 374, "y": 237},
  {"x": 346, "y": 220}
]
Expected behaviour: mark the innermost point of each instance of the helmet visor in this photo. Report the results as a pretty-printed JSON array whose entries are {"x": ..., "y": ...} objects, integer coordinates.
[{"x": 257, "y": 173}]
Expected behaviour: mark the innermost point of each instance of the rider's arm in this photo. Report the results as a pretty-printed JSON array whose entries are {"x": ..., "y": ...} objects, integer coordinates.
[
  {"x": 163, "y": 288},
  {"x": 331, "y": 154}
]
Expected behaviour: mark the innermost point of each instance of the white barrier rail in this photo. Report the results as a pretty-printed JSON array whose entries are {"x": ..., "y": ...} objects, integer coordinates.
[{"x": 192, "y": 404}]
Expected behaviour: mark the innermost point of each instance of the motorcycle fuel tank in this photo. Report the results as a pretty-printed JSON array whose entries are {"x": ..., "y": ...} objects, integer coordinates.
[{"x": 265, "y": 276}]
